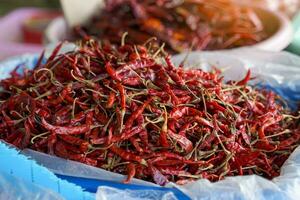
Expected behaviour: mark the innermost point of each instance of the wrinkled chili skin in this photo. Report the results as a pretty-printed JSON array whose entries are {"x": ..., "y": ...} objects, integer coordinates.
[
  {"x": 178, "y": 25},
  {"x": 168, "y": 124}
]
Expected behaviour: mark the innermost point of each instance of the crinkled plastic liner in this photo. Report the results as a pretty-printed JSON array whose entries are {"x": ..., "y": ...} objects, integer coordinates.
[
  {"x": 279, "y": 71},
  {"x": 72, "y": 168},
  {"x": 108, "y": 193},
  {"x": 12, "y": 188},
  {"x": 286, "y": 186}
]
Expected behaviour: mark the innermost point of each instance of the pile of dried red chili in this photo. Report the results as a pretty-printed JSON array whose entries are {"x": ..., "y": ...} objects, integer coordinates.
[
  {"x": 181, "y": 25},
  {"x": 128, "y": 110}
]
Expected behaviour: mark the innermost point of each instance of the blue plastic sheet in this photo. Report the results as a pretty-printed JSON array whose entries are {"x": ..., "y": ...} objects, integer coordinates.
[
  {"x": 279, "y": 71},
  {"x": 22, "y": 178},
  {"x": 12, "y": 188}
]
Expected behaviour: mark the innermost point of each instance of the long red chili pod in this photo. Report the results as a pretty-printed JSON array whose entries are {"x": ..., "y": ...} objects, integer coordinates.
[
  {"x": 136, "y": 145},
  {"x": 40, "y": 60},
  {"x": 111, "y": 72},
  {"x": 261, "y": 130},
  {"x": 122, "y": 95},
  {"x": 164, "y": 132},
  {"x": 216, "y": 106},
  {"x": 72, "y": 139},
  {"x": 55, "y": 52},
  {"x": 130, "y": 172},
  {"x": 132, "y": 81},
  {"x": 126, "y": 155},
  {"x": 173, "y": 73},
  {"x": 65, "y": 130},
  {"x": 246, "y": 79},
  {"x": 111, "y": 99},
  {"x": 126, "y": 134},
  {"x": 136, "y": 113},
  {"x": 171, "y": 155},
  {"x": 174, "y": 98}
]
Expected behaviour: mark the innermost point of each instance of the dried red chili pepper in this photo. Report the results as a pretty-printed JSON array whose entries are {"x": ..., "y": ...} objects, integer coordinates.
[
  {"x": 136, "y": 114},
  {"x": 179, "y": 124},
  {"x": 246, "y": 79},
  {"x": 127, "y": 155},
  {"x": 111, "y": 100},
  {"x": 131, "y": 172},
  {"x": 164, "y": 132},
  {"x": 111, "y": 72},
  {"x": 65, "y": 130}
]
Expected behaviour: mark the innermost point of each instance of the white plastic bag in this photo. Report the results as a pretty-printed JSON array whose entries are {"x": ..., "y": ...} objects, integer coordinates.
[
  {"x": 12, "y": 188},
  {"x": 108, "y": 193},
  {"x": 280, "y": 71}
]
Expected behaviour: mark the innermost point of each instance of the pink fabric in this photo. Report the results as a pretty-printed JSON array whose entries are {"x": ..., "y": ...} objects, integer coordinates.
[{"x": 11, "y": 34}]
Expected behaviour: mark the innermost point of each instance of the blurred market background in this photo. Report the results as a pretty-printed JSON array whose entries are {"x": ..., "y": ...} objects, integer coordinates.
[
  {"x": 7, "y": 6},
  {"x": 25, "y": 23}
]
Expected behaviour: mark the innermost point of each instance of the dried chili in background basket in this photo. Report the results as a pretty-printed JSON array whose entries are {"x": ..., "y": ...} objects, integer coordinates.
[
  {"x": 181, "y": 25},
  {"x": 129, "y": 110}
]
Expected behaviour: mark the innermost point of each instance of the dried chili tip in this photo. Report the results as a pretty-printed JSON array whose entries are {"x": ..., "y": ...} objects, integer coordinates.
[
  {"x": 131, "y": 171},
  {"x": 246, "y": 79},
  {"x": 40, "y": 60},
  {"x": 111, "y": 72},
  {"x": 55, "y": 52}
]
